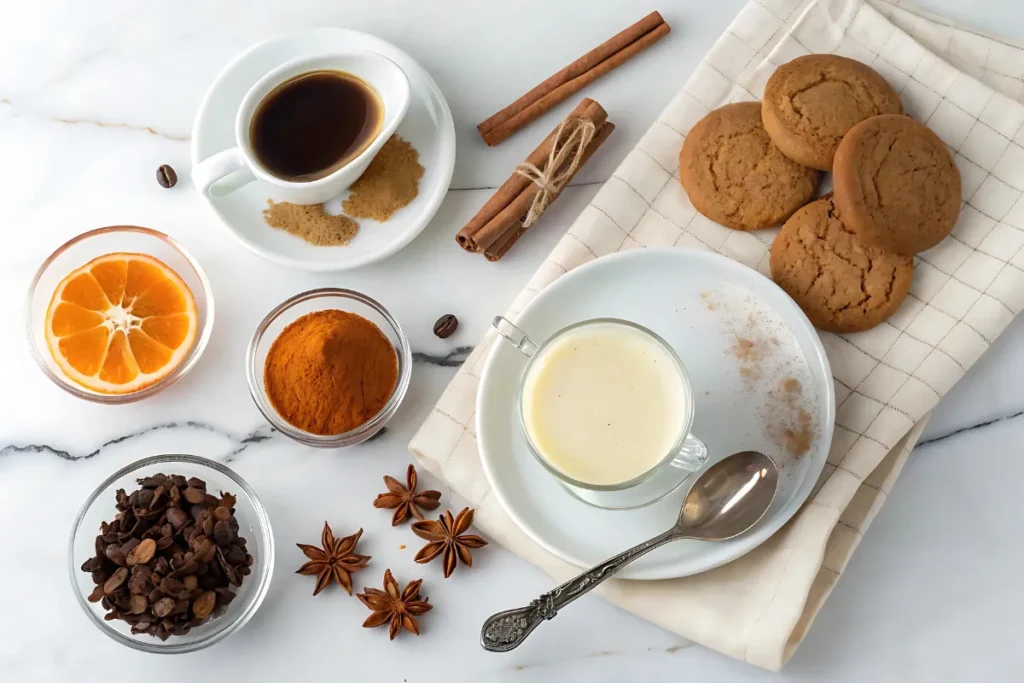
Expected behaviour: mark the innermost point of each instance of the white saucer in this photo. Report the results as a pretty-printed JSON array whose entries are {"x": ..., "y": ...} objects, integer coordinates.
[
  {"x": 428, "y": 126},
  {"x": 698, "y": 302}
]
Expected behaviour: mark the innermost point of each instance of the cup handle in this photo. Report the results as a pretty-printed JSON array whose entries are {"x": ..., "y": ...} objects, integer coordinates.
[
  {"x": 229, "y": 166},
  {"x": 515, "y": 336},
  {"x": 692, "y": 454}
]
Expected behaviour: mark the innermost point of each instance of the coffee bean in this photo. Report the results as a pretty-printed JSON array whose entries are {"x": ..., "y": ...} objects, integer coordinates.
[
  {"x": 202, "y": 607},
  {"x": 163, "y": 607},
  {"x": 166, "y": 176},
  {"x": 115, "y": 581},
  {"x": 446, "y": 326},
  {"x": 194, "y": 495},
  {"x": 92, "y": 564},
  {"x": 115, "y": 555},
  {"x": 142, "y": 553},
  {"x": 222, "y": 533},
  {"x": 139, "y": 604}
]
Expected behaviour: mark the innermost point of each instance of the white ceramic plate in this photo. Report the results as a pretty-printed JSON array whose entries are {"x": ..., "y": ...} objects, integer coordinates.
[
  {"x": 428, "y": 126},
  {"x": 701, "y": 303}
]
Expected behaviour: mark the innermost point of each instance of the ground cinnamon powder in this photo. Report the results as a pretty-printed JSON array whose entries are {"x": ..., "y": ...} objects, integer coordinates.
[
  {"x": 391, "y": 181},
  {"x": 330, "y": 372},
  {"x": 311, "y": 223}
]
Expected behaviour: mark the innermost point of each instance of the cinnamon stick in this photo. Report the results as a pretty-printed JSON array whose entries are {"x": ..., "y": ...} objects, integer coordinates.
[
  {"x": 473, "y": 237},
  {"x": 511, "y": 223},
  {"x": 588, "y": 68}
]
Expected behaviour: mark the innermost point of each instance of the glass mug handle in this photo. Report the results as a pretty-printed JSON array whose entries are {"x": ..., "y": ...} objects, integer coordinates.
[
  {"x": 692, "y": 454},
  {"x": 515, "y": 336}
]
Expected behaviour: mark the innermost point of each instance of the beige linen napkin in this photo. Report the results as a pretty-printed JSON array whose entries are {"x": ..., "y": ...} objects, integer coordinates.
[{"x": 965, "y": 292}]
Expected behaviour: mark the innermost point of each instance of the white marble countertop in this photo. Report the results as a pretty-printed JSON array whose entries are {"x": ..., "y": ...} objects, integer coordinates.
[{"x": 95, "y": 96}]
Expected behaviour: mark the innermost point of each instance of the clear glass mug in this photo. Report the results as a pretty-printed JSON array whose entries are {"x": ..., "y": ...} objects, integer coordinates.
[{"x": 686, "y": 456}]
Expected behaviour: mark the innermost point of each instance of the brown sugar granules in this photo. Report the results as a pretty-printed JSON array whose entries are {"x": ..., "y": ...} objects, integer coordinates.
[
  {"x": 391, "y": 181},
  {"x": 310, "y": 223}
]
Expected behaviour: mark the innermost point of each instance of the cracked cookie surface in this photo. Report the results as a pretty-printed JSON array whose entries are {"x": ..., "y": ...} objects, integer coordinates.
[
  {"x": 735, "y": 176},
  {"x": 896, "y": 184},
  {"x": 811, "y": 102},
  {"x": 841, "y": 284}
]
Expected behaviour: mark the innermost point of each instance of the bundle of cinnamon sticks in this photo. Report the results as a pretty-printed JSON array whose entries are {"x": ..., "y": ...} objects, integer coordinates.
[{"x": 503, "y": 219}]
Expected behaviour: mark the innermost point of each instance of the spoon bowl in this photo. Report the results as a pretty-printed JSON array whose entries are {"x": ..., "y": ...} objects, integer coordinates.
[
  {"x": 727, "y": 500},
  {"x": 724, "y": 502}
]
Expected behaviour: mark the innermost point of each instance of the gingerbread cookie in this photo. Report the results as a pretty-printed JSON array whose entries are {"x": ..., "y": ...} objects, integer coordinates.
[
  {"x": 841, "y": 284},
  {"x": 811, "y": 102},
  {"x": 896, "y": 184},
  {"x": 735, "y": 176}
]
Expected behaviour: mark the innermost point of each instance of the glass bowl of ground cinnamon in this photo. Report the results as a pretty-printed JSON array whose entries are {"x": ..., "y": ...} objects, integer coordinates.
[{"x": 329, "y": 367}]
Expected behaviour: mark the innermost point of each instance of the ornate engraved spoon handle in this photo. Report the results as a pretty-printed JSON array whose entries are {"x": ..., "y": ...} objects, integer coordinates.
[{"x": 504, "y": 631}]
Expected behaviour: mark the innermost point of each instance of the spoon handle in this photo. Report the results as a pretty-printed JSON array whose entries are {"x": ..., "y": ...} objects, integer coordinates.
[{"x": 504, "y": 631}]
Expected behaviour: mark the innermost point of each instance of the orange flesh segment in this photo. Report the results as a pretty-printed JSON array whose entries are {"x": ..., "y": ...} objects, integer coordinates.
[
  {"x": 111, "y": 276},
  {"x": 71, "y": 318},
  {"x": 163, "y": 297},
  {"x": 140, "y": 277},
  {"x": 169, "y": 330},
  {"x": 149, "y": 355},
  {"x": 84, "y": 351},
  {"x": 86, "y": 292},
  {"x": 119, "y": 367}
]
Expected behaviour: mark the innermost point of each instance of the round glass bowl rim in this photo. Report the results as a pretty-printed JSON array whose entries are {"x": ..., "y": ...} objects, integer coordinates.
[
  {"x": 363, "y": 431},
  {"x": 187, "y": 363},
  {"x": 233, "y": 623}
]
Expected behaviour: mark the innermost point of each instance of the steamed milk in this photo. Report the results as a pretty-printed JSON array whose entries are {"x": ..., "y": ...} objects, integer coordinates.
[{"x": 604, "y": 403}]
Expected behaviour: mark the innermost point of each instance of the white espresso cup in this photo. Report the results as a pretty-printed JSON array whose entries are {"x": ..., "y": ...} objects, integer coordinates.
[{"x": 234, "y": 168}]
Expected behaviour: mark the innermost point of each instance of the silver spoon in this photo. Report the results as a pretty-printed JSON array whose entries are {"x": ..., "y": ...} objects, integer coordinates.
[{"x": 725, "y": 501}]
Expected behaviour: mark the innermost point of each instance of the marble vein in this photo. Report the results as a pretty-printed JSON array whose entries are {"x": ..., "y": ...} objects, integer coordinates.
[
  {"x": 971, "y": 428},
  {"x": 264, "y": 433},
  {"x": 18, "y": 112},
  {"x": 453, "y": 359}
]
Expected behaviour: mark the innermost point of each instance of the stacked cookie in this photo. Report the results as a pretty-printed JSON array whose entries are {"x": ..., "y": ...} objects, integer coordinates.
[{"x": 846, "y": 258}]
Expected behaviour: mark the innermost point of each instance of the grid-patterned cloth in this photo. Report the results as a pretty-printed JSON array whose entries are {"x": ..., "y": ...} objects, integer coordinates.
[{"x": 965, "y": 291}]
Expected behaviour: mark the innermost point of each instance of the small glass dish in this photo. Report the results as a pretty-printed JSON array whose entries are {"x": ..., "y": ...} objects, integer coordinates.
[
  {"x": 323, "y": 299},
  {"x": 76, "y": 253},
  {"x": 254, "y": 526}
]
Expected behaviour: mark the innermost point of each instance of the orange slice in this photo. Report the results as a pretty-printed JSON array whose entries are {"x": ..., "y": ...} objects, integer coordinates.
[{"x": 120, "y": 323}]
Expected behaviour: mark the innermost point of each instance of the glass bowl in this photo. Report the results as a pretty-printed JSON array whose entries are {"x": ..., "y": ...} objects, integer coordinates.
[
  {"x": 319, "y": 300},
  {"x": 82, "y": 249},
  {"x": 254, "y": 526}
]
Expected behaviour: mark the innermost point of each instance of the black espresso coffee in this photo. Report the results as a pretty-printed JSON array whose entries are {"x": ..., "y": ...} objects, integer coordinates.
[{"x": 315, "y": 123}]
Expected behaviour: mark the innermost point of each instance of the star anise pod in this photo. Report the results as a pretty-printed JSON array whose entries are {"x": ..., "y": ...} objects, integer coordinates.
[
  {"x": 336, "y": 560},
  {"x": 448, "y": 535},
  {"x": 397, "y": 609},
  {"x": 405, "y": 500}
]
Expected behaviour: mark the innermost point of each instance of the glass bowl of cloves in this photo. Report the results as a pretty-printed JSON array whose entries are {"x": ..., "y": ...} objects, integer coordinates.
[{"x": 171, "y": 554}]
